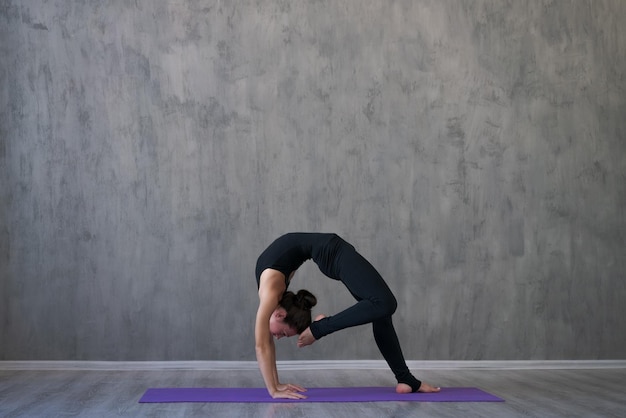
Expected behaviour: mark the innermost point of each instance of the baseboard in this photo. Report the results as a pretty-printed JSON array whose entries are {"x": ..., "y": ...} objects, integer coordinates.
[{"x": 312, "y": 365}]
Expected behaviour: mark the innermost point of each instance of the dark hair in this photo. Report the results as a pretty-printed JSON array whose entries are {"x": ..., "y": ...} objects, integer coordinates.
[{"x": 298, "y": 307}]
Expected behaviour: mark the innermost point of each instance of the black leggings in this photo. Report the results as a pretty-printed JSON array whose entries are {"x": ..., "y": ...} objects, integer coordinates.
[{"x": 375, "y": 303}]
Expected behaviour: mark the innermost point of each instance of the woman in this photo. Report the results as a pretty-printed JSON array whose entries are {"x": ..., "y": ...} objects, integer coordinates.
[{"x": 284, "y": 314}]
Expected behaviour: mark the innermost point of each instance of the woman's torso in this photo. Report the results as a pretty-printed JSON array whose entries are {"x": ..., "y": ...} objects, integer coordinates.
[{"x": 288, "y": 252}]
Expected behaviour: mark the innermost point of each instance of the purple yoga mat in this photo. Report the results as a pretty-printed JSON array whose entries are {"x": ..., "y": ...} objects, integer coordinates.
[{"x": 352, "y": 394}]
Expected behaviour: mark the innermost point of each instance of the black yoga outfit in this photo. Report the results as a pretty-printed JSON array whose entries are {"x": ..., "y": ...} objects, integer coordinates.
[{"x": 339, "y": 260}]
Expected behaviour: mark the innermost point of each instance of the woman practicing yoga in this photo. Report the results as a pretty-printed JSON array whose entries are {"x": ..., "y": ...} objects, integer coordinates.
[{"x": 282, "y": 313}]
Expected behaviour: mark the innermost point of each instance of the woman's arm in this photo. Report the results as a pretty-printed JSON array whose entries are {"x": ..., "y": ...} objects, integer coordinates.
[
  {"x": 271, "y": 287},
  {"x": 275, "y": 370},
  {"x": 265, "y": 351}
]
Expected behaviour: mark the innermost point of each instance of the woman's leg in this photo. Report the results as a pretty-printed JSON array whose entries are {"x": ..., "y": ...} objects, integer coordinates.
[
  {"x": 374, "y": 298},
  {"x": 389, "y": 346},
  {"x": 375, "y": 303}
]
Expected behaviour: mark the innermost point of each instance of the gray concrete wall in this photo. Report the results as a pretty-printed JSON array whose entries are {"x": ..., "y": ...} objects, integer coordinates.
[{"x": 475, "y": 152}]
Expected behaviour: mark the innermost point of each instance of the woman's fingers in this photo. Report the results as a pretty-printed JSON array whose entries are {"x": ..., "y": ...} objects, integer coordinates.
[
  {"x": 297, "y": 388},
  {"x": 288, "y": 394},
  {"x": 290, "y": 387}
]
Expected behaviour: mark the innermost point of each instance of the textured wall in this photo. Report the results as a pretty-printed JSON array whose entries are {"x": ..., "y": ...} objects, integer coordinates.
[{"x": 475, "y": 152}]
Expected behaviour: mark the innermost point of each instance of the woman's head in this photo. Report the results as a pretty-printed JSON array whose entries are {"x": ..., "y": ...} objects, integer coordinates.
[{"x": 293, "y": 314}]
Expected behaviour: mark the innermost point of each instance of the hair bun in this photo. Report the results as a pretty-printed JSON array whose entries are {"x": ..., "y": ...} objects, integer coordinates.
[{"x": 305, "y": 299}]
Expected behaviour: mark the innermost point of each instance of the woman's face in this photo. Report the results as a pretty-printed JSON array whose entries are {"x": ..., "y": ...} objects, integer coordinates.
[{"x": 278, "y": 328}]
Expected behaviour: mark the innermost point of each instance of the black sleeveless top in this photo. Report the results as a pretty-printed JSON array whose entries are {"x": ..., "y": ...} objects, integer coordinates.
[{"x": 288, "y": 252}]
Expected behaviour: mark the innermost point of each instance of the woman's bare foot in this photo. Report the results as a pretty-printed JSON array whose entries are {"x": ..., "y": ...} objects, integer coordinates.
[
  {"x": 424, "y": 388},
  {"x": 403, "y": 388},
  {"x": 307, "y": 338}
]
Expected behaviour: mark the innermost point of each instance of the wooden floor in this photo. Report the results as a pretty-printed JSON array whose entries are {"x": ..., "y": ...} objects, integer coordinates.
[{"x": 528, "y": 393}]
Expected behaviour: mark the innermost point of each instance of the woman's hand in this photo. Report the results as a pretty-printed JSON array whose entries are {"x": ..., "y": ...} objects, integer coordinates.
[
  {"x": 290, "y": 387},
  {"x": 289, "y": 391}
]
